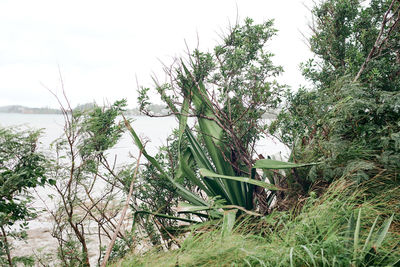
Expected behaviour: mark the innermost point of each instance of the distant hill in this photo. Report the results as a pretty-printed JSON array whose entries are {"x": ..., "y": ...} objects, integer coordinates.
[
  {"x": 27, "y": 110},
  {"x": 154, "y": 109}
]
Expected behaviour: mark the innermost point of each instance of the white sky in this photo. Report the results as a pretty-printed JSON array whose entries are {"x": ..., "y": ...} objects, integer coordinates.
[{"x": 101, "y": 46}]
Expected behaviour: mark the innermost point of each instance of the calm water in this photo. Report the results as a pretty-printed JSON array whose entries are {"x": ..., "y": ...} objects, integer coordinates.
[{"x": 156, "y": 130}]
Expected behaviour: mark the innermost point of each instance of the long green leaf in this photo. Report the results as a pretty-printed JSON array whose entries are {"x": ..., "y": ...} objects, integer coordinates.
[
  {"x": 383, "y": 232},
  {"x": 366, "y": 243},
  {"x": 186, "y": 170},
  {"x": 163, "y": 216},
  {"x": 291, "y": 256},
  {"x": 193, "y": 209},
  {"x": 182, "y": 126},
  {"x": 228, "y": 222},
  {"x": 208, "y": 173},
  {"x": 186, "y": 207},
  {"x": 189, "y": 208},
  {"x": 212, "y": 134},
  {"x": 276, "y": 164},
  {"x": 186, "y": 194},
  {"x": 198, "y": 153},
  {"x": 309, "y": 254},
  {"x": 184, "y": 160},
  {"x": 357, "y": 235},
  {"x": 350, "y": 228},
  {"x": 370, "y": 257},
  {"x": 215, "y": 186},
  {"x": 210, "y": 130}
]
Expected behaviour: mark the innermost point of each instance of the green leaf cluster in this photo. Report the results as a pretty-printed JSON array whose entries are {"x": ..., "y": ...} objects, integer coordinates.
[
  {"x": 21, "y": 167},
  {"x": 352, "y": 126}
]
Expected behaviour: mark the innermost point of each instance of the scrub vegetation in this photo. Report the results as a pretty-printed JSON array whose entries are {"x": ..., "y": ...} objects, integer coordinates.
[{"x": 208, "y": 198}]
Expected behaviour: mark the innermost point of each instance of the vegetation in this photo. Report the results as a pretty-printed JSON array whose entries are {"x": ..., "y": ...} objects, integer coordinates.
[
  {"x": 82, "y": 167},
  {"x": 208, "y": 198},
  {"x": 22, "y": 167},
  {"x": 227, "y": 91},
  {"x": 321, "y": 234},
  {"x": 350, "y": 118},
  {"x": 348, "y": 122}
]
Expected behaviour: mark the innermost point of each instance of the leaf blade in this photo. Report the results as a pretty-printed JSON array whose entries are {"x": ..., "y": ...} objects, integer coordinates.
[{"x": 208, "y": 173}]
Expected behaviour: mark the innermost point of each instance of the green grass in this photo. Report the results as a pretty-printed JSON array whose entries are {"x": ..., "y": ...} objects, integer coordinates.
[{"x": 317, "y": 236}]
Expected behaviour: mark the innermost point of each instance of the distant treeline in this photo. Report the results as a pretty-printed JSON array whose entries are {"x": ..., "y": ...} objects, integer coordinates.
[
  {"x": 27, "y": 110},
  {"x": 155, "y": 109}
]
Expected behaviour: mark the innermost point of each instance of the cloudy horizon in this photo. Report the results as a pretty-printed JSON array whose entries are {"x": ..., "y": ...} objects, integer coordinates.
[{"x": 101, "y": 47}]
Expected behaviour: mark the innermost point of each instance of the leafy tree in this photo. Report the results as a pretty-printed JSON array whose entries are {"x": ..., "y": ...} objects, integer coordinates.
[
  {"x": 228, "y": 91},
  {"x": 240, "y": 87},
  {"x": 350, "y": 118},
  {"x": 22, "y": 168},
  {"x": 88, "y": 183}
]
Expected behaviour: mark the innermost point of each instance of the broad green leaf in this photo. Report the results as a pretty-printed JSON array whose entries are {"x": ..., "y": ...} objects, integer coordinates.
[
  {"x": 357, "y": 235},
  {"x": 182, "y": 126},
  {"x": 215, "y": 186},
  {"x": 186, "y": 207},
  {"x": 189, "y": 208},
  {"x": 163, "y": 216},
  {"x": 187, "y": 171},
  {"x": 383, "y": 232},
  {"x": 228, "y": 222},
  {"x": 193, "y": 209},
  {"x": 186, "y": 194},
  {"x": 212, "y": 133},
  {"x": 276, "y": 164},
  {"x": 370, "y": 235},
  {"x": 208, "y": 173},
  {"x": 350, "y": 228},
  {"x": 198, "y": 153}
]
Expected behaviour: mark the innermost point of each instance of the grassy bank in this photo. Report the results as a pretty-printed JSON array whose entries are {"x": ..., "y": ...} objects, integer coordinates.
[{"x": 328, "y": 231}]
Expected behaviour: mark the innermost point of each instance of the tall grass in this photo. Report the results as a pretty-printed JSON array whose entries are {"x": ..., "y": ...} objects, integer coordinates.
[{"x": 319, "y": 235}]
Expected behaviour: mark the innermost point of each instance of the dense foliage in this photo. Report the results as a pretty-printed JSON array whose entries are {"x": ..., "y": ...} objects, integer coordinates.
[
  {"x": 349, "y": 123},
  {"x": 239, "y": 83},
  {"x": 228, "y": 91},
  {"x": 22, "y": 168},
  {"x": 154, "y": 193},
  {"x": 341, "y": 209}
]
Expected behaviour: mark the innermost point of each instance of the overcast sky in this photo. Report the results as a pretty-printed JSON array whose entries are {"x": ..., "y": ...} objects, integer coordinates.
[{"x": 101, "y": 46}]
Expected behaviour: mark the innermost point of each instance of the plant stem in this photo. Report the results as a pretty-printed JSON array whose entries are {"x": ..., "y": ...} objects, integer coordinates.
[
  {"x": 128, "y": 197},
  {"x": 7, "y": 247}
]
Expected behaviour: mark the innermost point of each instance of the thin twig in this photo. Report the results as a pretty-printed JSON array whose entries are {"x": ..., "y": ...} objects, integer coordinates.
[
  {"x": 110, "y": 246},
  {"x": 378, "y": 42}
]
